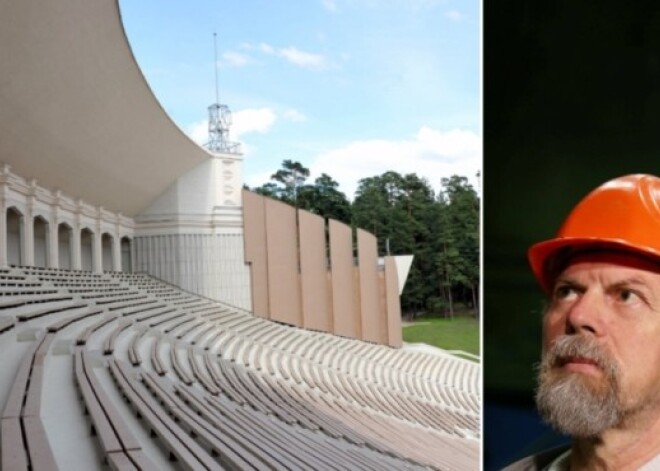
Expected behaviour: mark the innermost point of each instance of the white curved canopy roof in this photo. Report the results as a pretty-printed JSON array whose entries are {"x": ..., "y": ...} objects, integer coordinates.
[{"x": 75, "y": 110}]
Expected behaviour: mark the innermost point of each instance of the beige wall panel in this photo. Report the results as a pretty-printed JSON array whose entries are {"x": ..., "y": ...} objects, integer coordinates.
[
  {"x": 370, "y": 320},
  {"x": 357, "y": 322},
  {"x": 331, "y": 315},
  {"x": 343, "y": 296},
  {"x": 313, "y": 272},
  {"x": 254, "y": 228},
  {"x": 283, "y": 276},
  {"x": 382, "y": 299},
  {"x": 393, "y": 303}
]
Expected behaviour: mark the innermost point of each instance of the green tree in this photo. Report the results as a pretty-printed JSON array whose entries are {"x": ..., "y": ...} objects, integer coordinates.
[
  {"x": 378, "y": 209},
  {"x": 292, "y": 176},
  {"x": 325, "y": 199},
  {"x": 458, "y": 257},
  {"x": 268, "y": 189},
  {"x": 397, "y": 209}
]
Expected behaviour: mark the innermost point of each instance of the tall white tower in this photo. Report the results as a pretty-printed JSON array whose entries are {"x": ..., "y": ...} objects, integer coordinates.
[{"x": 220, "y": 119}]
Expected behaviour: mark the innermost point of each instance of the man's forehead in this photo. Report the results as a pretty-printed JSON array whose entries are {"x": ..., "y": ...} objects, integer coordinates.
[{"x": 610, "y": 259}]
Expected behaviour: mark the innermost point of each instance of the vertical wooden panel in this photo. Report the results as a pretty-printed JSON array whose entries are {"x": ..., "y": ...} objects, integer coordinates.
[
  {"x": 254, "y": 236},
  {"x": 369, "y": 300},
  {"x": 382, "y": 299},
  {"x": 343, "y": 296},
  {"x": 393, "y": 303},
  {"x": 313, "y": 272},
  {"x": 328, "y": 284},
  {"x": 283, "y": 273},
  {"x": 357, "y": 323}
]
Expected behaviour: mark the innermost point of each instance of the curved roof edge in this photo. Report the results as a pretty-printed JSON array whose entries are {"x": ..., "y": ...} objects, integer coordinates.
[{"x": 76, "y": 112}]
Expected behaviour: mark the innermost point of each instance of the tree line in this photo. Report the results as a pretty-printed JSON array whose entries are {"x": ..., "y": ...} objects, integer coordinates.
[{"x": 407, "y": 217}]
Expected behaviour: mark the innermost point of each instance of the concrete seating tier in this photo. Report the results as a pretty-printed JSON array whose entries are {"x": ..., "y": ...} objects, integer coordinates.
[
  {"x": 149, "y": 376},
  {"x": 23, "y": 437}
]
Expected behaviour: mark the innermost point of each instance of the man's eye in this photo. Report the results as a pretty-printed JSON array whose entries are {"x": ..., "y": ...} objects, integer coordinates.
[
  {"x": 627, "y": 296},
  {"x": 565, "y": 292}
]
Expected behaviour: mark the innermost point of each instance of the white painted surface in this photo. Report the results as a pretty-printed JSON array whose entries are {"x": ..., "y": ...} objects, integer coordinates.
[
  {"x": 22, "y": 242},
  {"x": 211, "y": 265},
  {"x": 201, "y": 192},
  {"x": 403, "y": 264}
]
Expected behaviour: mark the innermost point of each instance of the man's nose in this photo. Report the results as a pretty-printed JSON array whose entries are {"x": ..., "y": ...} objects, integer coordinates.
[{"x": 585, "y": 316}]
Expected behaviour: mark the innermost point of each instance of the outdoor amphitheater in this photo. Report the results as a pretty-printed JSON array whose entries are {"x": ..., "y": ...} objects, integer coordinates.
[{"x": 155, "y": 316}]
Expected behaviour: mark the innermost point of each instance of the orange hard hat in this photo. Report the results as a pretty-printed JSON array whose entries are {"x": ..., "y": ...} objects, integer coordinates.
[{"x": 620, "y": 215}]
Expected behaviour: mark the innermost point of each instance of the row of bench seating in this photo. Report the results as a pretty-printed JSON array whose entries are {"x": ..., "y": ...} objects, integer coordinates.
[{"x": 218, "y": 388}]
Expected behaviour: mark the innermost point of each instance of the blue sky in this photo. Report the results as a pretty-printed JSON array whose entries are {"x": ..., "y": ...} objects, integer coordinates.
[{"x": 352, "y": 88}]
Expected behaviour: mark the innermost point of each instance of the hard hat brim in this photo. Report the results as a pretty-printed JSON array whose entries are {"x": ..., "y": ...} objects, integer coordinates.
[{"x": 547, "y": 258}]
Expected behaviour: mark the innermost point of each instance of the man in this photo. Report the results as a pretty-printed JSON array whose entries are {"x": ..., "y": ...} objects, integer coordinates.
[{"x": 599, "y": 378}]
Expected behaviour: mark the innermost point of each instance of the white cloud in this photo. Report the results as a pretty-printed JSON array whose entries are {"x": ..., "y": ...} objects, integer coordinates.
[
  {"x": 454, "y": 15},
  {"x": 199, "y": 131},
  {"x": 451, "y": 145},
  {"x": 330, "y": 5},
  {"x": 245, "y": 121},
  {"x": 258, "y": 179},
  {"x": 302, "y": 58},
  {"x": 295, "y": 116},
  {"x": 292, "y": 55},
  {"x": 235, "y": 59},
  {"x": 267, "y": 48},
  {"x": 432, "y": 154},
  {"x": 252, "y": 120},
  {"x": 411, "y": 5}
]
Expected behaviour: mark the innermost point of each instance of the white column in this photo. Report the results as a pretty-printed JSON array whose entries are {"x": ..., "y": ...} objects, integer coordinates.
[
  {"x": 4, "y": 170},
  {"x": 28, "y": 225},
  {"x": 28, "y": 238},
  {"x": 76, "y": 254},
  {"x": 116, "y": 251},
  {"x": 53, "y": 243},
  {"x": 97, "y": 249},
  {"x": 54, "y": 261},
  {"x": 3, "y": 231}
]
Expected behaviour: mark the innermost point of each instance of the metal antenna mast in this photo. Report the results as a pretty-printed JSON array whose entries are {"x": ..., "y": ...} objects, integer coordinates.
[
  {"x": 220, "y": 117},
  {"x": 215, "y": 64}
]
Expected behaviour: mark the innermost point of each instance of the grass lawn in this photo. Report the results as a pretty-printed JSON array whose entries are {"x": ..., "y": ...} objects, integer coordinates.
[{"x": 460, "y": 333}]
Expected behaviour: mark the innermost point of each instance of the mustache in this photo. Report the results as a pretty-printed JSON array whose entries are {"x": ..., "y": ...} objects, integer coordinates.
[{"x": 567, "y": 347}]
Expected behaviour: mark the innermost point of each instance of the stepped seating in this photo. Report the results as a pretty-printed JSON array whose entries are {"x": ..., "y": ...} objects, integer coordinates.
[
  {"x": 23, "y": 438},
  {"x": 156, "y": 360},
  {"x": 188, "y": 330},
  {"x": 83, "y": 337},
  {"x": 199, "y": 371},
  {"x": 109, "y": 344},
  {"x": 134, "y": 355},
  {"x": 169, "y": 380},
  {"x": 121, "y": 448},
  {"x": 50, "y": 309},
  {"x": 329, "y": 378},
  {"x": 8, "y": 300},
  {"x": 6, "y": 323},
  {"x": 17, "y": 282},
  {"x": 67, "y": 321},
  {"x": 179, "y": 445}
]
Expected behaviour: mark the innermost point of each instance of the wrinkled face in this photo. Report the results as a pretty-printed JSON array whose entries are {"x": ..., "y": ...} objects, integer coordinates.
[{"x": 601, "y": 352}]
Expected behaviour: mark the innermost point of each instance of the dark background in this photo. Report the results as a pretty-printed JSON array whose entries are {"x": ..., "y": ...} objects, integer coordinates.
[{"x": 571, "y": 100}]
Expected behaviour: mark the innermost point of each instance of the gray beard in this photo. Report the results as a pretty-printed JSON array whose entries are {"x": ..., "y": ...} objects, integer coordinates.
[{"x": 572, "y": 403}]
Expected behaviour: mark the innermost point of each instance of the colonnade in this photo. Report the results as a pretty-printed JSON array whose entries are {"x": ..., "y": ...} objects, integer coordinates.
[
  {"x": 45, "y": 228},
  {"x": 38, "y": 241}
]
